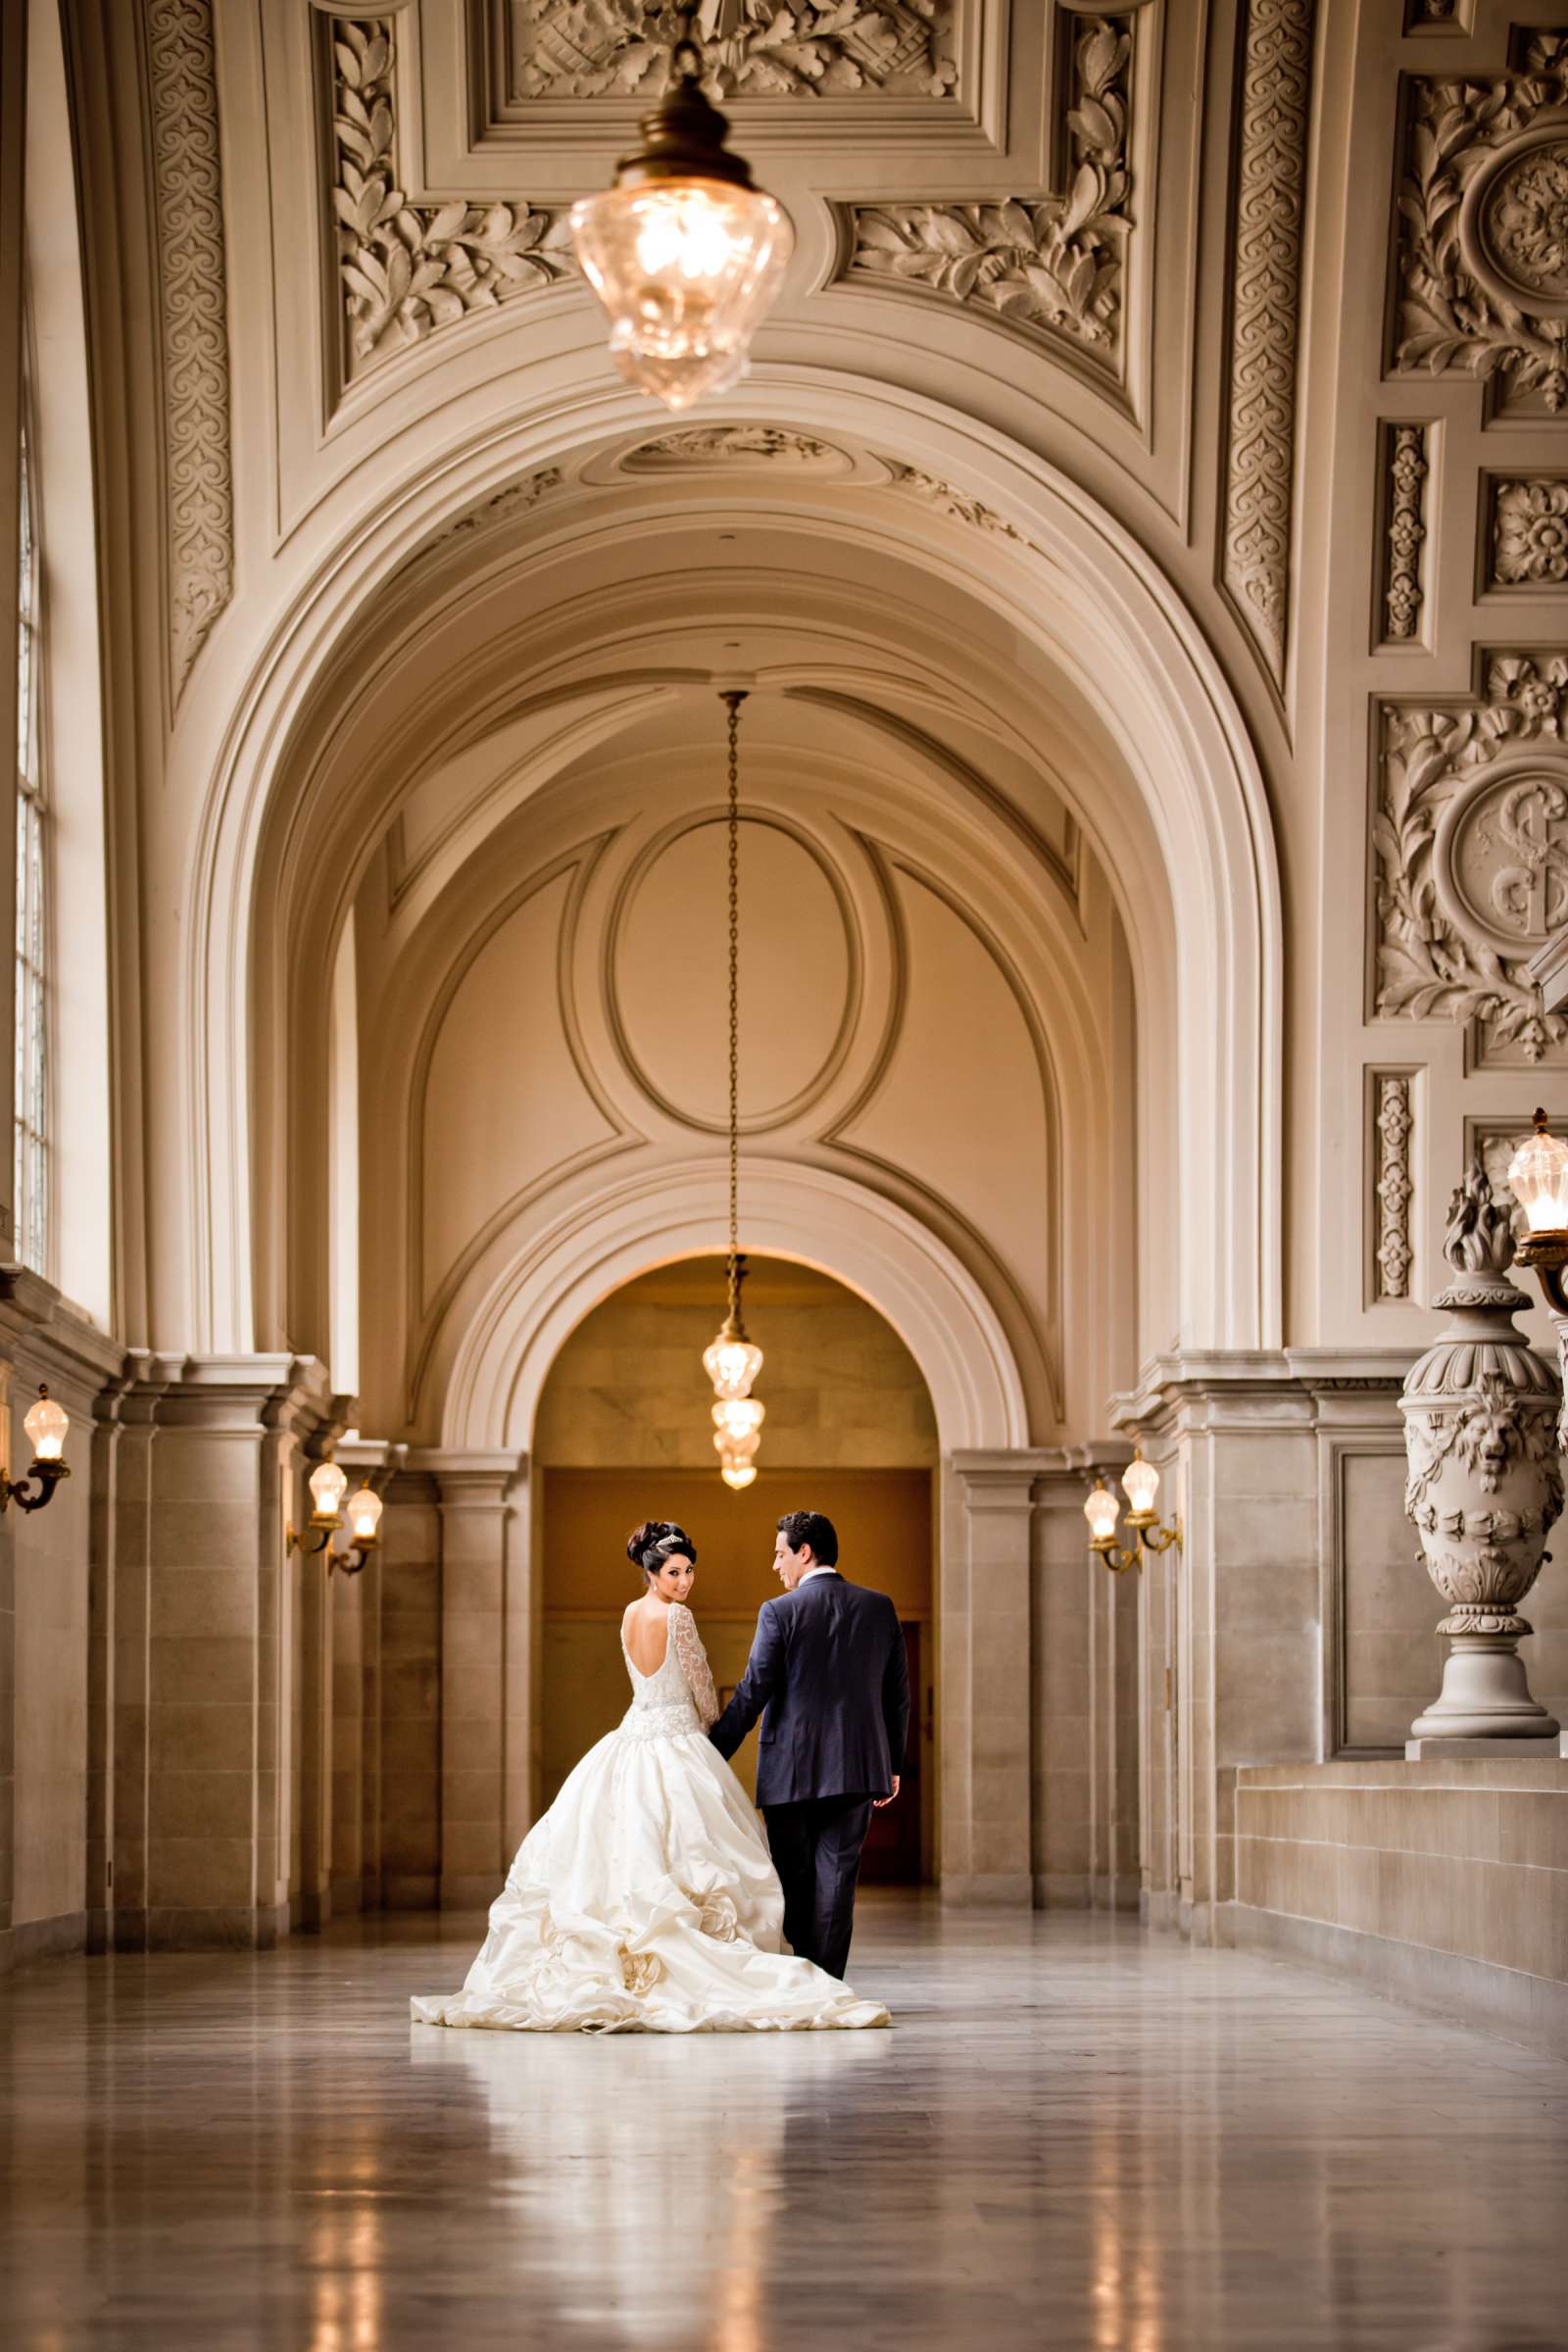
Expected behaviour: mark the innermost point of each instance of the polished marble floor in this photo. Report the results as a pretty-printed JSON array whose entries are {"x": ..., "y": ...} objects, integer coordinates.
[{"x": 1075, "y": 2136}]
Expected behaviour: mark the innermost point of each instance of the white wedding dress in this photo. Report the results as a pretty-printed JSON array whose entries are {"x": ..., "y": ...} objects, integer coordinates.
[{"x": 645, "y": 1900}]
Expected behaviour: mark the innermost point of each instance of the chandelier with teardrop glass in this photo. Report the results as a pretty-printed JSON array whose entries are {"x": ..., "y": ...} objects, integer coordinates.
[{"x": 732, "y": 1360}]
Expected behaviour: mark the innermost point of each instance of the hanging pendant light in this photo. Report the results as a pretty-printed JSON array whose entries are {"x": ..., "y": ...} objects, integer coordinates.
[
  {"x": 683, "y": 252},
  {"x": 732, "y": 1360}
]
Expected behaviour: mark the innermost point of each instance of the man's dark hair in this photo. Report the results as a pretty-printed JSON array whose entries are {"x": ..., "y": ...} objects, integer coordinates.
[{"x": 800, "y": 1528}]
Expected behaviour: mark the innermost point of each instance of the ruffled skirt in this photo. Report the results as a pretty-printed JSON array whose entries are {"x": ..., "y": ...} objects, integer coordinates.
[{"x": 645, "y": 1900}]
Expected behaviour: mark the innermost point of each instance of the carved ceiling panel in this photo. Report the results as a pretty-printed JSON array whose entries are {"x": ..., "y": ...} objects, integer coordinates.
[
  {"x": 562, "y": 49},
  {"x": 1482, "y": 259},
  {"x": 1470, "y": 849}
]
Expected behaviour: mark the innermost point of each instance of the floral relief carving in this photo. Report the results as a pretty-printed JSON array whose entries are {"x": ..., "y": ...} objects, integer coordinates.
[
  {"x": 1482, "y": 260},
  {"x": 957, "y": 505},
  {"x": 408, "y": 269},
  {"x": 1053, "y": 263},
  {"x": 1261, "y": 451},
  {"x": 1408, "y": 531},
  {"x": 1470, "y": 837},
  {"x": 699, "y": 445},
  {"x": 1530, "y": 533},
  {"x": 518, "y": 498},
  {"x": 188, "y": 202},
  {"x": 752, "y": 48},
  {"x": 1396, "y": 1120}
]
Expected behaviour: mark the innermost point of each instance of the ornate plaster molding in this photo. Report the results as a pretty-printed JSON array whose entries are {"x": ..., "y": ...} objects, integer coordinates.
[
  {"x": 1529, "y": 543},
  {"x": 957, "y": 505},
  {"x": 188, "y": 207},
  {"x": 1470, "y": 840},
  {"x": 1483, "y": 264},
  {"x": 518, "y": 498},
  {"x": 695, "y": 447},
  {"x": 1396, "y": 1188},
  {"x": 409, "y": 268},
  {"x": 1266, "y": 304},
  {"x": 1407, "y": 531},
  {"x": 1052, "y": 264},
  {"x": 754, "y": 48}
]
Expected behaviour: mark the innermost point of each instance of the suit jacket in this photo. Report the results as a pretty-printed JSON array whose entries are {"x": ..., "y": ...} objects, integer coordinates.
[{"x": 829, "y": 1677}]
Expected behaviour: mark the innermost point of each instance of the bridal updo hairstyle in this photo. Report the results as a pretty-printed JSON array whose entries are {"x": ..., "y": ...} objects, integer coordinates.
[{"x": 657, "y": 1541}]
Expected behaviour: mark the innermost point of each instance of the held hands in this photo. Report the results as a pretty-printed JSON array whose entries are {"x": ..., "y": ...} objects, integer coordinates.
[{"x": 879, "y": 1802}]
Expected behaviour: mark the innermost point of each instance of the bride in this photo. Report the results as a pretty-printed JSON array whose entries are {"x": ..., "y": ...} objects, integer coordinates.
[{"x": 645, "y": 1900}]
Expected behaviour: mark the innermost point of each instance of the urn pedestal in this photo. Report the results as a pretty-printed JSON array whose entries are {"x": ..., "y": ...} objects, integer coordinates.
[{"x": 1485, "y": 1481}]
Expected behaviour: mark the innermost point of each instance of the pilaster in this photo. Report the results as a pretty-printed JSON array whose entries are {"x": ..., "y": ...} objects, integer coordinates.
[{"x": 485, "y": 1670}]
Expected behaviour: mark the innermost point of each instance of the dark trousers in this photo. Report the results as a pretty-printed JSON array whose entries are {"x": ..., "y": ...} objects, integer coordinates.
[{"x": 817, "y": 1852}]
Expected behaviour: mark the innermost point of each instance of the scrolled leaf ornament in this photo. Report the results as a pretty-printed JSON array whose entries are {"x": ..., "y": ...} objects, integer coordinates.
[{"x": 409, "y": 268}]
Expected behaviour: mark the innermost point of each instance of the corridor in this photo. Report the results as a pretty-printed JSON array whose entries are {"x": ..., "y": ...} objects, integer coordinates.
[{"x": 1075, "y": 2136}]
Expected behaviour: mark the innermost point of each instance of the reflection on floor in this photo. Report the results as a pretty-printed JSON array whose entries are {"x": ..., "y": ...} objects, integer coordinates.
[{"x": 1075, "y": 2136}]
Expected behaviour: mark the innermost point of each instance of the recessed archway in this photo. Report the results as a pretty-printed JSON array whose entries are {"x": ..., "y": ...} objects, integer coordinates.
[{"x": 624, "y": 1433}]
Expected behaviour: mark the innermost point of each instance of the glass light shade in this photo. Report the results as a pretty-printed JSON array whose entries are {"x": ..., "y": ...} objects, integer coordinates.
[
  {"x": 1101, "y": 1512},
  {"x": 1140, "y": 1484},
  {"x": 737, "y": 1418},
  {"x": 732, "y": 1364},
  {"x": 738, "y": 1475},
  {"x": 743, "y": 1448},
  {"x": 1538, "y": 1178},
  {"x": 329, "y": 1485},
  {"x": 685, "y": 269},
  {"x": 46, "y": 1426},
  {"x": 364, "y": 1516}
]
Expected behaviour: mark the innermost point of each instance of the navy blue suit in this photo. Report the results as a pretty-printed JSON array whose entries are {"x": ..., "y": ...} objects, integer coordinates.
[{"x": 829, "y": 1677}]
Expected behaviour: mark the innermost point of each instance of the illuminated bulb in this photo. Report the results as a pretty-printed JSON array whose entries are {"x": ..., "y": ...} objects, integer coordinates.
[
  {"x": 732, "y": 1363},
  {"x": 1538, "y": 1178},
  {"x": 738, "y": 1473},
  {"x": 738, "y": 1418},
  {"x": 1101, "y": 1512},
  {"x": 364, "y": 1516},
  {"x": 1140, "y": 1481},
  {"x": 46, "y": 1426},
  {"x": 329, "y": 1485}
]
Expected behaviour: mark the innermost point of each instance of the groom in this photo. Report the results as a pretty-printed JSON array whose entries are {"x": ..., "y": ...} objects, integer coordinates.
[{"x": 828, "y": 1667}]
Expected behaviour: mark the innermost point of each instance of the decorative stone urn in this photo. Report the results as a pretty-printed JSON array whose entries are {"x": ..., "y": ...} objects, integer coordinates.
[{"x": 1485, "y": 1480}]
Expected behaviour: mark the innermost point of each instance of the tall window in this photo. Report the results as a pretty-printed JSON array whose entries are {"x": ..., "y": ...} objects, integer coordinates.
[{"x": 31, "y": 1142}]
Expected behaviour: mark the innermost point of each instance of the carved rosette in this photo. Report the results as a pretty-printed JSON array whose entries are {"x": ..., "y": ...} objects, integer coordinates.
[
  {"x": 1483, "y": 257},
  {"x": 1485, "y": 1483},
  {"x": 188, "y": 204},
  {"x": 1530, "y": 533},
  {"x": 1052, "y": 264},
  {"x": 1266, "y": 304},
  {"x": 1470, "y": 836}
]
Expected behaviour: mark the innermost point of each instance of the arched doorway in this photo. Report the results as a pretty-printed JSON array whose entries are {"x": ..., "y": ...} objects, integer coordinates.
[{"x": 622, "y": 1433}]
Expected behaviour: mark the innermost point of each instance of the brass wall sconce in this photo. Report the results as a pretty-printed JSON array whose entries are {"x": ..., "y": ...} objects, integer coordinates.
[
  {"x": 328, "y": 1485},
  {"x": 46, "y": 1426},
  {"x": 1140, "y": 1481},
  {"x": 1538, "y": 1178}
]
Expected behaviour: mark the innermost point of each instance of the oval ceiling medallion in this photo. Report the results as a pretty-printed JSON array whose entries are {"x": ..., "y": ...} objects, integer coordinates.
[
  {"x": 1501, "y": 855},
  {"x": 1513, "y": 225},
  {"x": 667, "y": 963}
]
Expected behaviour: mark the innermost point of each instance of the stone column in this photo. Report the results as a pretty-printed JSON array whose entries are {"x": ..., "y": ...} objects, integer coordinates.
[
  {"x": 986, "y": 1825},
  {"x": 478, "y": 1646},
  {"x": 357, "y": 1699},
  {"x": 1237, "y": 1628},
  {"x": 407, "y": 1840},
  {"x": 204, "y": 1690}
]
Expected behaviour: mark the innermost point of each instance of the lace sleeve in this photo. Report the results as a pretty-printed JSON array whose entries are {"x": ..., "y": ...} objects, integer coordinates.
[{"x": 694, "y": 1664}]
